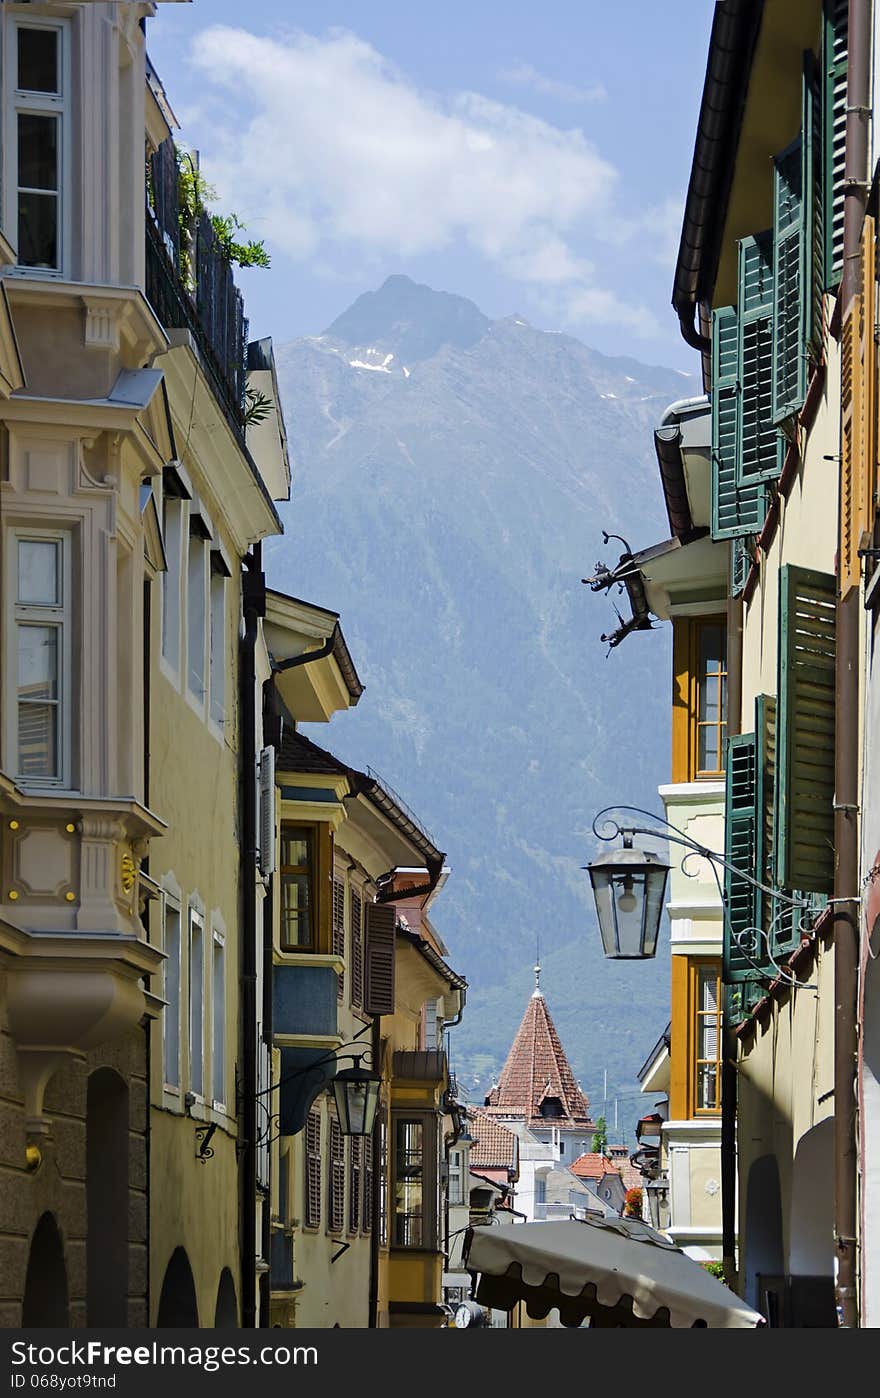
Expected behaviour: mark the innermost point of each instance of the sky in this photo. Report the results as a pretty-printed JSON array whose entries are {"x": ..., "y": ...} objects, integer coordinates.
[{"x": 533, "y": 157}]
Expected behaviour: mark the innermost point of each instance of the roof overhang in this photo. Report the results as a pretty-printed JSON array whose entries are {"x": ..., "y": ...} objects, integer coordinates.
[
  {"x": 682, "y": 579},
  {"x": 312, "y": 691},
  {"x": 683, "y": 443},
  {"x": 750, "y": 111}
]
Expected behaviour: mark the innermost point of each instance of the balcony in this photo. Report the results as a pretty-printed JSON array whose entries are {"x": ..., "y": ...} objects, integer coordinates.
[{"x": 196, "y": 291}]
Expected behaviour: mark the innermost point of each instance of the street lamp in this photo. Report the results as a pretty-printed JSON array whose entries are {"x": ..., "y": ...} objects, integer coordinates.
[
  {"x": 357, "y": 1095},
  {"x": 629, "y": 886}
]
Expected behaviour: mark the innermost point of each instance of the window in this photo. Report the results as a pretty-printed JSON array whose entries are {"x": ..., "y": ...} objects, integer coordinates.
[
  {"x": 355, "y": 1146},
  {"x": 218, "y": 1008},
  {"x": 456, "y": 1178},
  {"x": 699, "y": 703},
  {"x": 336, "y": 1178},
  {"x": 707, "y": 1037},
  {"x": 218, "y": 644},
  {"x": 312, "y": 1172},
  {"x": 196, "y": 1002},
  {"x": 195, "y": 602},
  {"x": 172, "y": 511},
  {"x": 413, "y": 1183},
  {"x": 383, "y": 1178},
  {"x": 297, "y": 886},
  {"x": 37, "y": 145},
  {"x": 41, "y": 587},
  {"x": 172, "y": 996},
  {"x": 540, "y": 1189}
]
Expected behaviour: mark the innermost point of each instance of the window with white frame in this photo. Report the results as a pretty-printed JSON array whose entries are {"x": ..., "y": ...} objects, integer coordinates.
[
  {"x": 41, "y": 660},
  {"x": 196, "y": 1002},
  {"x": 218, "y": 641},
  {"x": 172, "y": 996},
  {"x": 37, "y": 140},
  {"x": 218, "y": 1012},
  {"x": 172, "y": 527},
  {"x": 196, "y": 604}
]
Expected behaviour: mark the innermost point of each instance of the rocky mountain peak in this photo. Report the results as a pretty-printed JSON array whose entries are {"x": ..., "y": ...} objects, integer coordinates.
[{"x": 409, "y": 320}]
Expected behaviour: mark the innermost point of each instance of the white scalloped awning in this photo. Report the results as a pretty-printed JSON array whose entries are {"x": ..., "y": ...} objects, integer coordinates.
[{"x": 618, "y": 1272}]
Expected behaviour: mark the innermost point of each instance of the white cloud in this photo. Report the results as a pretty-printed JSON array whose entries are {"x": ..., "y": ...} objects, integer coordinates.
[
  {"x": 524, "y": 75},
  {"x": 325, "y": 148}
]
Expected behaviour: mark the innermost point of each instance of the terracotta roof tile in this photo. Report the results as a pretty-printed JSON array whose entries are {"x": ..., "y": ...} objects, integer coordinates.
[
  {"x": 592, "y": 1166},
  {"x": 537, "y": 1071},
  {"x": 493, "y": 1146}
]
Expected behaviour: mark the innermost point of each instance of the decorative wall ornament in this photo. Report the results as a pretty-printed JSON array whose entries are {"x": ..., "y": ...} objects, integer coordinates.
[{"x": 127, "y": 872}]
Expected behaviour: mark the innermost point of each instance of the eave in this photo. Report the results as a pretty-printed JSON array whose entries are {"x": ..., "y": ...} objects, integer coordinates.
[
  {"x": 134, "y": 328},
  {"x": 312, "y": 692}
]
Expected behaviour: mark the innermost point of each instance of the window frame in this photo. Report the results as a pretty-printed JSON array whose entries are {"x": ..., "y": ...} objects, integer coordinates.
[
  {"x": 687, "y": 679},
  {"x": 696, "y": 1015},
  {"x": 59, "y": 105},
  {"x": 429, "y": 1213},
  {"x": 312, "y": 1169},
  {"x": 295, "y": 870},
  {"x": 60, "y": 617},
  {"x": 196, "y": 918},
  {"x": 217, "y": 666},
  {"x": 171, "y": 904},
  {"x": 172, "y": 584},
  {"x": 196, "y": 622},
  {"x": 218, "y": 1021},
  {"x": 336, "y": 1173}
]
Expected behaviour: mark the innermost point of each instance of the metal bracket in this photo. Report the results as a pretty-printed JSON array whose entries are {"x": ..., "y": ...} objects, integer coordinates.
[
  {"x": 203, "y": 1136},
  {"x": 343, "y": 1248}
]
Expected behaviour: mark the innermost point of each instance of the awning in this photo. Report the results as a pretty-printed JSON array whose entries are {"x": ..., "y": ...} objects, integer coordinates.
[{"x": 618, "y": 1271}]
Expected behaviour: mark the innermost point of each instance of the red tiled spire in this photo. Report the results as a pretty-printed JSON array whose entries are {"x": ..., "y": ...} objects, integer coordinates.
[{"x": 536, "y": 1072}]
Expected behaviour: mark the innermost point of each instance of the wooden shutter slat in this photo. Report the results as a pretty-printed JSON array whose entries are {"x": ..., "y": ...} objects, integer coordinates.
[
  {"x": 380, "y": 978},
  {"x": 336, "y": 1180},
  {"x": 758, "y": 441},
  {"x": 789, "y": 330},
  {"x": 357, "y": 951},
  {"x": 741, "y": 959},
  {"x": 736, "y": 510},
  {"x": 339, "y": 932},
  {"x": 313, "y": 1169},
  {"x": 805, "y": 730},
  {"x": 834, "y": 79}
]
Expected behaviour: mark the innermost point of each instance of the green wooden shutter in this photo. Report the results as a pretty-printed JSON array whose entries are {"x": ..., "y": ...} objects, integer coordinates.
[
  {"x": 805, "y": 730},
  {"x": 834, "y": 63},
  {"x": 789, "y": 302},
  {"x": 811, "y": 221},
  {"x": 735, "y": 511},
  {"x": 759, "y": 457},
  {"x": 741, "y": 959}
]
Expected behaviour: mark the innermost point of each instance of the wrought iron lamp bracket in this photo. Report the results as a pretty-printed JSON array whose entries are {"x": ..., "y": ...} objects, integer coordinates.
[{"x": 606, "y": 827}]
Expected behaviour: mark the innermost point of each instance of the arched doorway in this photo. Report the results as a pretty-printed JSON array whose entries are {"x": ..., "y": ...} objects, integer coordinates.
[
  {"x": 45, "y": 1287},
  {"x": 177, "y": 1304},
  {"x": 763, "y": 1255},
  {"x": 226, "y": 1311},
  {"x": 811, "y": 1229},
  {"x": 107, "y": 1199}
]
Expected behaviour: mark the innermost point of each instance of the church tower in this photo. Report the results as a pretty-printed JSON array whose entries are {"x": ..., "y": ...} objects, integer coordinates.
[{"x": 537, "y": 1086}]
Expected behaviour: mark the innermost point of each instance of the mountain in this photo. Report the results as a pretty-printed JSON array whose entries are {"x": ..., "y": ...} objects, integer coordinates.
[{"x": 452, "y": 479}]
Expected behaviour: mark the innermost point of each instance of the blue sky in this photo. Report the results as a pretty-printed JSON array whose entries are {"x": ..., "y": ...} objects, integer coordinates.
[{"x": 533, "y": 157}]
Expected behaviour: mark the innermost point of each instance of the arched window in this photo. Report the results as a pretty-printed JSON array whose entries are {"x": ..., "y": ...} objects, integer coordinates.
[
  {"x": 226, "y": 1310},
  {"x": 177, "y": 1304}
]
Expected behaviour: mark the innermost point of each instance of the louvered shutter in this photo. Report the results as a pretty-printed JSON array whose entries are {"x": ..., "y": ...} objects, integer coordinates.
[
  {"x": 339, "y": 932},
  {"x": 805, "y": 730},
  {"x": 857, "y": 404},
  {"x": 379, "y": 978},
  {"x": 741, "y": 950},
  {"x": 313, "y": 1169},
  {"x": 268, "y": 861},
  {"x": 357, "y": 951},
  {"x": 336, "y": 1178},
  {"x": 725, "y": 391},
  {"x": 759, "y": 455},
  {"x": 354, "y": 1183},
  {"x": 740, "y": 565},
  {"x": 789, "y": 302},
  {"x": 812, "y": 257},
  {"x": 834, "y": 64},
  {"x": 367, "y": 1211},
  {"x": 779, "y": 920}
]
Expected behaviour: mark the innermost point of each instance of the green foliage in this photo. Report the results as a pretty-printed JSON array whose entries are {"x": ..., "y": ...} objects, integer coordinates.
[
  {"x": 716, "y": 1269},
  {"x": 194, "y": 196},
  {"x": 600, "y": 1136},
  {"x": 258, "y": 407}
]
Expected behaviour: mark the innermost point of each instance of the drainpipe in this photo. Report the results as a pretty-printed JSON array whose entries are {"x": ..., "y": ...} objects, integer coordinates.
[
  {"x": 728, "y": 1038},
  {"x": 846, "y": 920},
  {"x": 253, "y": 606}
]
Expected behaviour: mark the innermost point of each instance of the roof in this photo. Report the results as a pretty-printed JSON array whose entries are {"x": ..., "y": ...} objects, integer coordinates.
[
  {"x": 493, "y": 1147},
  {"x": 433, "y": 958},
  {"x": 592, "y": 1166},
  {"x": 538, "y": 1074},
  {"x": 299, "y": 754},
  {"x": 324, "y": 623}
]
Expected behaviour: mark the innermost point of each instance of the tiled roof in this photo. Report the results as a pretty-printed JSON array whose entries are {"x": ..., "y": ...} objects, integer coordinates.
[
  {"x": 493, "y": 1145},
  {"x": 592, "y": 1166},
  {"x": 300, "y": 754},
  {"x": 537, "y": 1071}
]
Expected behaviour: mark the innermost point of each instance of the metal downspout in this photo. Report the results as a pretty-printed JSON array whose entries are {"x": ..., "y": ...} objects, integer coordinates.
[
  {"x": 728, "y": 1043},
  {"x": 846, "y": 921},
  {"x": 253, "y": 606}
]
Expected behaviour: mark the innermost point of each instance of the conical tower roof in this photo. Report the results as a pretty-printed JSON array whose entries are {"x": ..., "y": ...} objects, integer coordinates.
[{"x": 537, "y": 1084}]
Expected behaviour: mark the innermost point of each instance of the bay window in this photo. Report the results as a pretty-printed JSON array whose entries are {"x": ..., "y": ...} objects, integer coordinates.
[
  {"x": 41, "y": 588},
  {"x": 415, "y": 1181},
  {"x": 37, "y": 142},
  {"x": 706, "y": 1021},
  {"x": 297, "y": 888}
]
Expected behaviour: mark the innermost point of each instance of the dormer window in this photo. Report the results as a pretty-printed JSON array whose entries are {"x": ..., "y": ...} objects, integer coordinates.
[
  {"x": 37, "y": 141},
  {"x": 551, "y": 1108}
]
